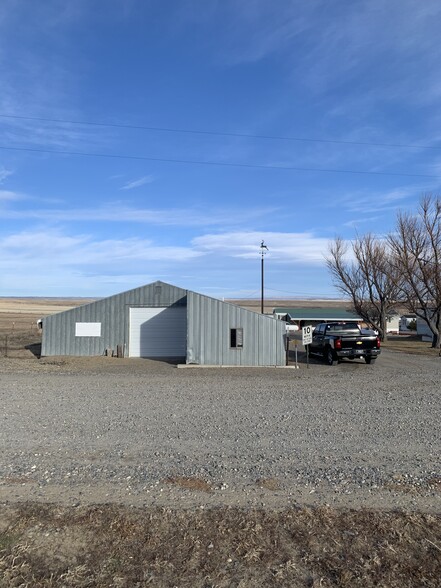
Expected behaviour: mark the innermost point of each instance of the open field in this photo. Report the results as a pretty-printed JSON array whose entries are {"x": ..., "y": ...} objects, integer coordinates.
[
  {"x": 18, "y": 322},
  {"x": 131, "y": 473},
  {"x": 21, "y": 314}
]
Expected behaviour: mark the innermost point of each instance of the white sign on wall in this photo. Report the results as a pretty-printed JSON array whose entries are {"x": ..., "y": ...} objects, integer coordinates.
[{"x": 87, "y": 329}]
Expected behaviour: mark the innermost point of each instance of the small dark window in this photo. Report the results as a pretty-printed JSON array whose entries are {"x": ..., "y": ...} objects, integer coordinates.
[{"x": 236, "y": 338}]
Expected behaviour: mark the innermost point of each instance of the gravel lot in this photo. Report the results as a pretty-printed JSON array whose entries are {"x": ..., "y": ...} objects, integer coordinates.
[{"x": 81, "y": 431}]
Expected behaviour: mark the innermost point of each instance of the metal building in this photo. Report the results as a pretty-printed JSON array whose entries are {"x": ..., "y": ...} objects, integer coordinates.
[
  {"x": 303, "y": 316},
  {"x": 161, "y": 320}
]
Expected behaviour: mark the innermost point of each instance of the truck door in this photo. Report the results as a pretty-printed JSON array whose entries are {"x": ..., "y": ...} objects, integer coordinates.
[{"x": 317, "y": 338}]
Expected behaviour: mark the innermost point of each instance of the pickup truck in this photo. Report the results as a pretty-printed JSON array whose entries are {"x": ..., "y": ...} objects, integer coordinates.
[{"x": 334, "y": 341}]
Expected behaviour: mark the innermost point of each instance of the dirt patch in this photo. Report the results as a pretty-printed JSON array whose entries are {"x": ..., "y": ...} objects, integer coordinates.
[
  {"x": 189, "y": 483},
  {"x": 269, "y": 484}
]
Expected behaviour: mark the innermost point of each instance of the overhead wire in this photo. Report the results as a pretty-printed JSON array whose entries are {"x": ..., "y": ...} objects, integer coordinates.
[
  {"x": 218, "y": 133},
  {"x": 216, "y": 163},
  {"x": 214, "y": 133}
]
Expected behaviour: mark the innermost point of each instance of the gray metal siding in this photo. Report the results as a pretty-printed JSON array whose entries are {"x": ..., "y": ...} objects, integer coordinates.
[
  {"x": 209, "y": 324},
  {"x": 113, "y": 314}
]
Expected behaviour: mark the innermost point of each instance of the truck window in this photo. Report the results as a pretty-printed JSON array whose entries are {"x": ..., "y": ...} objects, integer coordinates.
[{"x": 342, "y": 327}]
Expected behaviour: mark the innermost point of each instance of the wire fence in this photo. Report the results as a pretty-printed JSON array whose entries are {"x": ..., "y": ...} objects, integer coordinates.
[{"x": 20, "y": 344}]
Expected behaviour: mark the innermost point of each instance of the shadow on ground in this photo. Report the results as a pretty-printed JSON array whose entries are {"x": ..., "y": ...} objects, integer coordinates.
[{"x": 35, "y": 349}]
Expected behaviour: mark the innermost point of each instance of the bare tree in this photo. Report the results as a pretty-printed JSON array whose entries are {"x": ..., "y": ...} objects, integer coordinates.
[
  {"x": 367, "y": 279},
  {"x": 416, "y": 246}
]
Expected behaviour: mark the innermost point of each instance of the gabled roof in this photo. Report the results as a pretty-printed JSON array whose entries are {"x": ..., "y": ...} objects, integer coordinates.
[
  {"x": 133, "y": 294},
  {"x": 325, "y": 313}
]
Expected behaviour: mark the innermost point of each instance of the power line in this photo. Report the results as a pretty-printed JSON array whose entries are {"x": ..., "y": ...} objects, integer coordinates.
[
  {"x": 217, "y": 163},
  {"x": 218, "y": 133}
]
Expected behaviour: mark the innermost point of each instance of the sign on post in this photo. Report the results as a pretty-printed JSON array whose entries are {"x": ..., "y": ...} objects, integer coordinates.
[
  {"x": 307, "y": 335},
  {"x": 306, "y": 340}
]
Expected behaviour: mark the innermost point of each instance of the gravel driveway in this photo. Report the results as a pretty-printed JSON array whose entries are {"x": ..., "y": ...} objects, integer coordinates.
[{"x": 90, "y": 430}]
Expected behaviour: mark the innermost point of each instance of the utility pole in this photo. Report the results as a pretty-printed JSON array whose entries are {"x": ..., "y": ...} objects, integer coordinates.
[{"x": 263, "y": 250}]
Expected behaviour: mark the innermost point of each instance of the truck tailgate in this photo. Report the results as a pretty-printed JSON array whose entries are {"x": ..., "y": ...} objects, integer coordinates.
[{"x": 357, "y": 342}]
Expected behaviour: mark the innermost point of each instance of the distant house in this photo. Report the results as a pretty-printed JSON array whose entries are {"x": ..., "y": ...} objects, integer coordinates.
[
  {"x": 393, "y": 323},
  {"x": 405, "y": 321}
]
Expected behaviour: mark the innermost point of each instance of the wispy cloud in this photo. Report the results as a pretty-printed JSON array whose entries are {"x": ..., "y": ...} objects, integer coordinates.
[
  {"x": 363, "y": 67},
  {"x": 283, "y": 247},
  {"x": 8, "y": 195},
  {"x": 138, "y": 183},
  {"x": 116, "y": 212},
  {"x": 371, "y": 202},
  {"x": 358, "y": 39},
  {"x": 341, "y": 38},
  {"x": 4, "y": 173},
  {"x": 371, "y": 208},
  {"x": 246, "y": 32},
  {"x": 56, "y": 248},
  {"x": 81, "y": 264},
  {"x": 256, "y": 30},
  {"x": 42, "y": 82},
  {"x": 84, "y": 264}
]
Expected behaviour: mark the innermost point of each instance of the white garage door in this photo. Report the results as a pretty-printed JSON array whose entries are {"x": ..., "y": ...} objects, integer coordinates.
[{"x": 158, "y": 332}]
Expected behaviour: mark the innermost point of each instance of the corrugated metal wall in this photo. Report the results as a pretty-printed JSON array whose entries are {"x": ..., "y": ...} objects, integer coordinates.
[
  {"x": 209, "y": 324},
  {"x": 113, "y": 314}
]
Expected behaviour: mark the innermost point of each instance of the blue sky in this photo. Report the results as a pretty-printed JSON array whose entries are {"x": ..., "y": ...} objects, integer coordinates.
[{"x": 144, "y": 140}]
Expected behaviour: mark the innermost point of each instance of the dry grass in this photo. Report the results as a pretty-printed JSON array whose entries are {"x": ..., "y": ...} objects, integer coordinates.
[
  {"x": 21, "y": 314},
  {"x": 48, "y": 547},
  {"x": 410, "y": 344},
  {"x": 20, "y": 344},
  {"x": 20, "y": 336}
]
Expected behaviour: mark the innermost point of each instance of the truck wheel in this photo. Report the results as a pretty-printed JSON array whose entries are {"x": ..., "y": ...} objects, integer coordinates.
[
  {"x": 370, "y": 359},
  {"x": 329, "y": 356}
]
